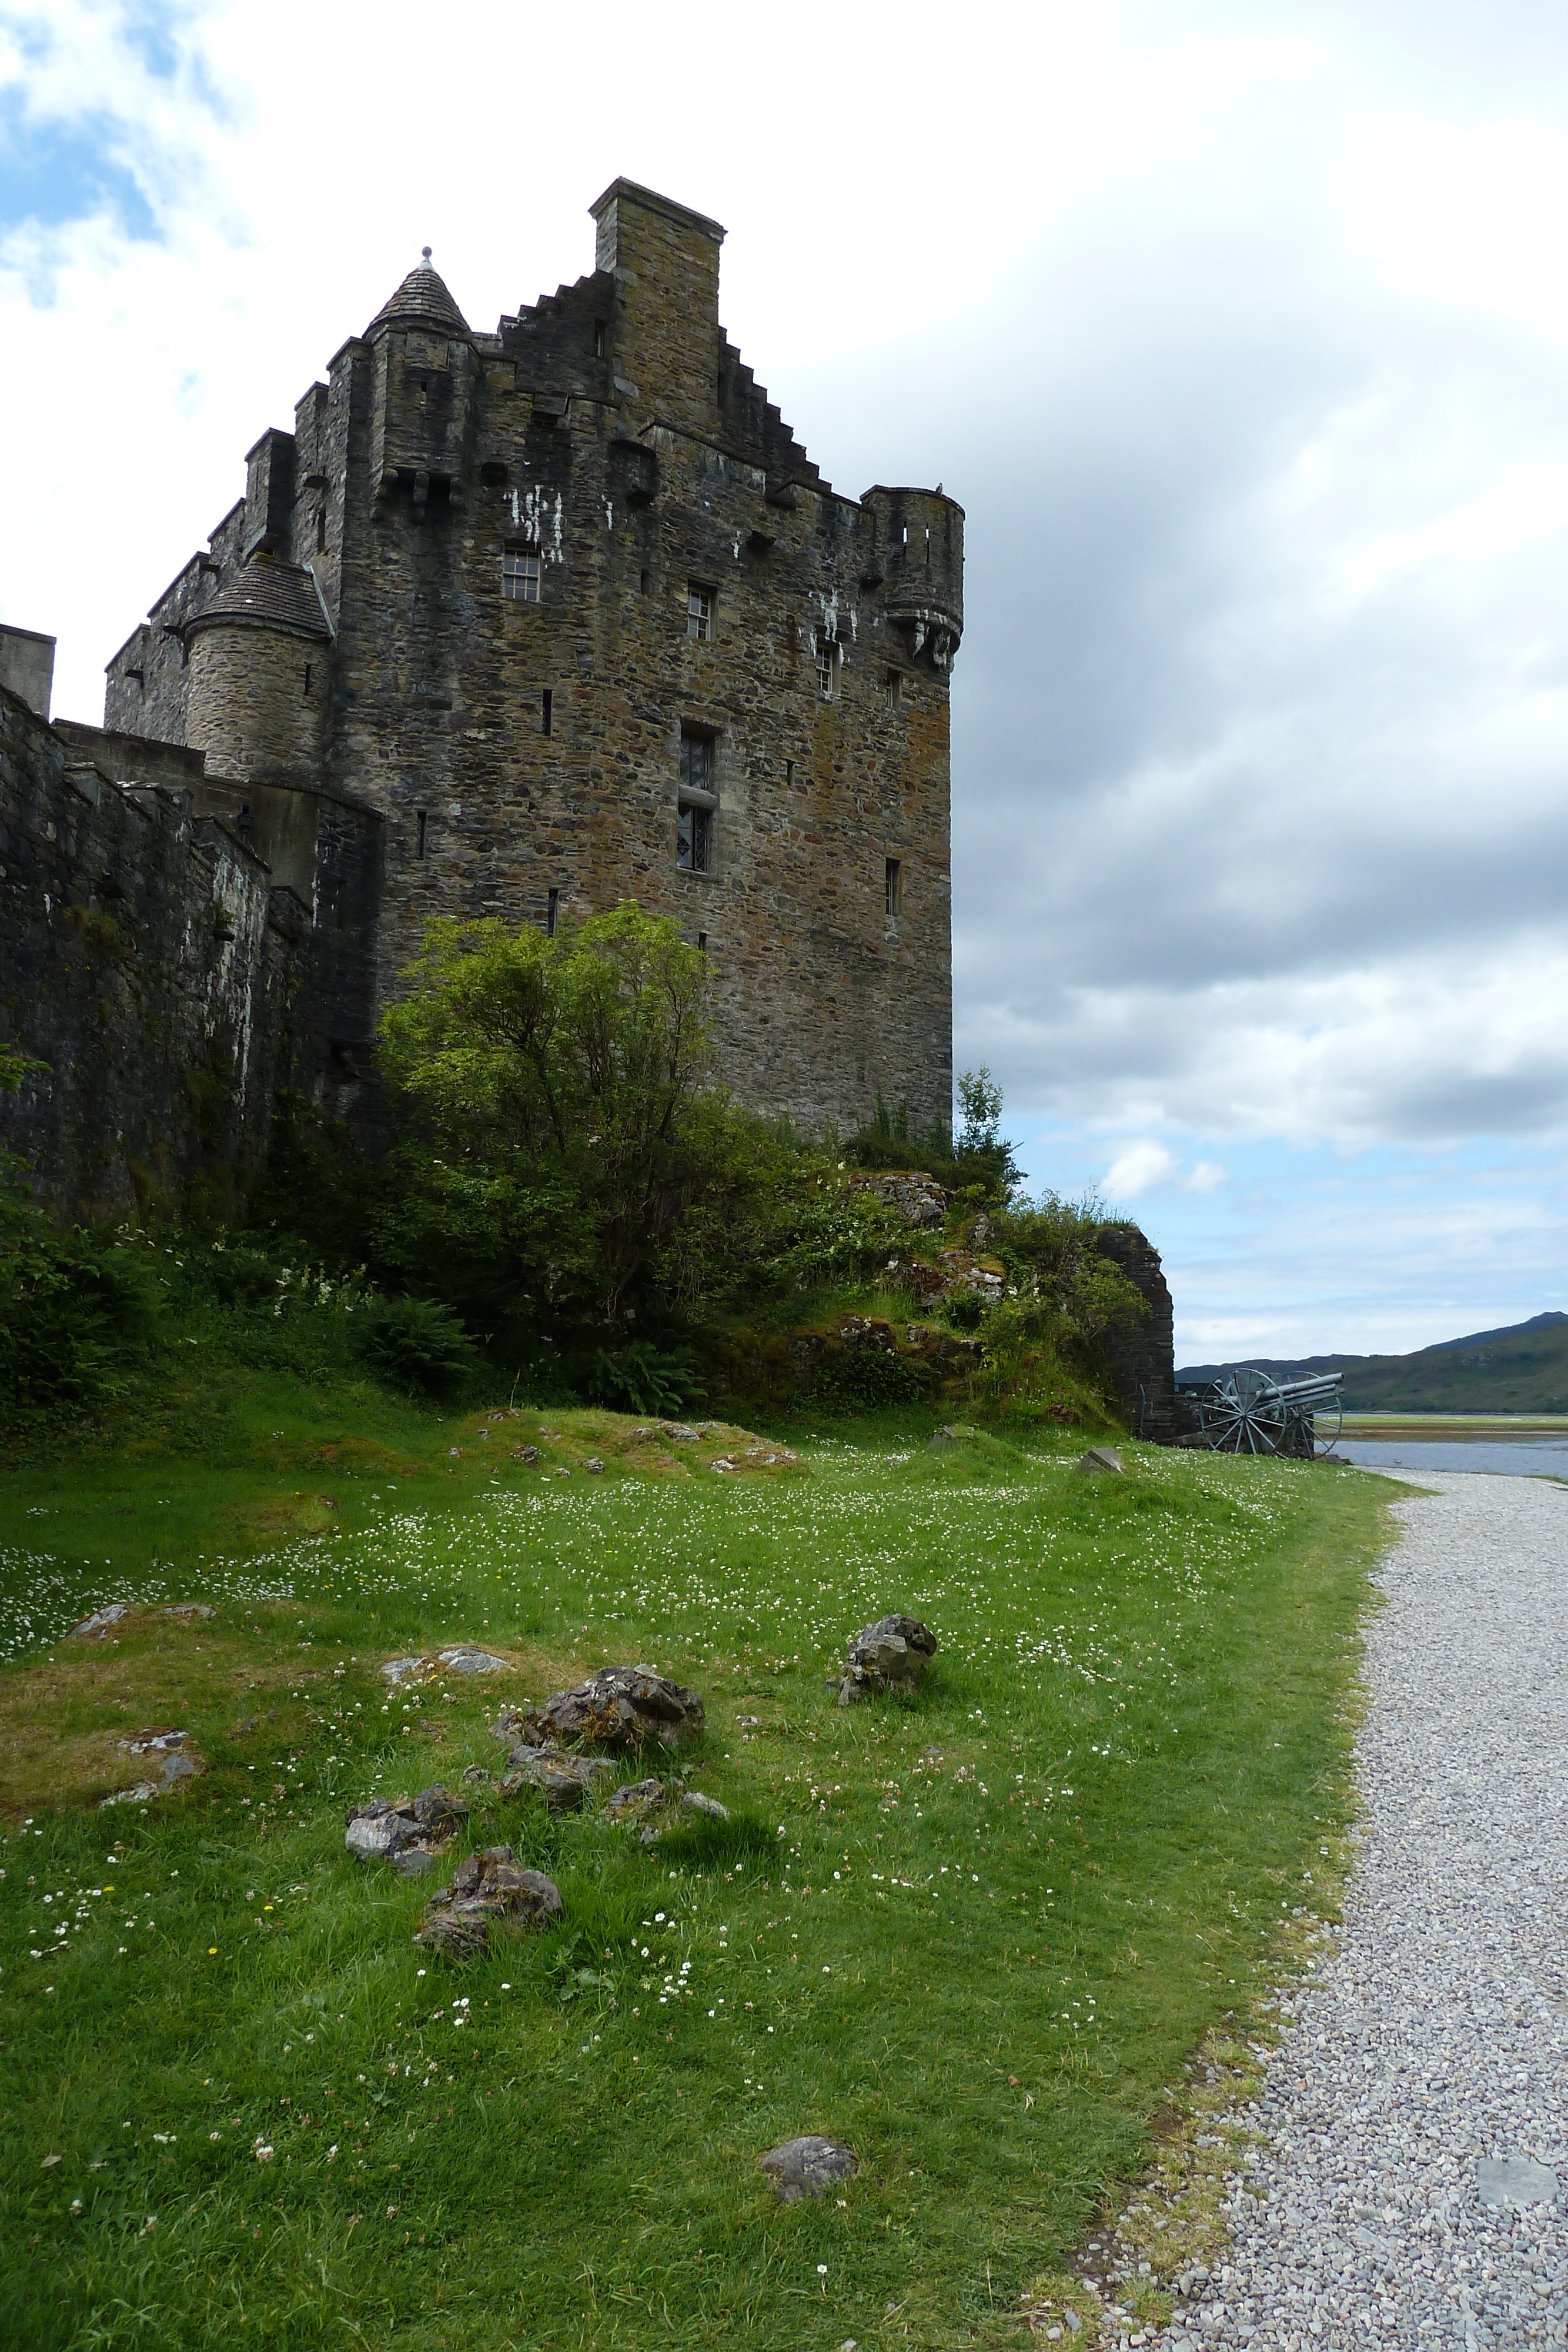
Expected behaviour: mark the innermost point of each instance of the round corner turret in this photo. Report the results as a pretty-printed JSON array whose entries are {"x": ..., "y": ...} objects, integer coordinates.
[
  {"x": 918, "y": 559},
  {"x": 257, "y": 690}
]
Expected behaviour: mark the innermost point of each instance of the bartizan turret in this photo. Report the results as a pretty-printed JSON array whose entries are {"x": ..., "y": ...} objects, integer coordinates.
[
  {"x": 422, "y": 411},
  {"x": 917, "y": 569}
]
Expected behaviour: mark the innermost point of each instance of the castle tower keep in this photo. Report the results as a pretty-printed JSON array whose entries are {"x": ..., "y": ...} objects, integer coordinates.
[{"x": 523, "y": 624}]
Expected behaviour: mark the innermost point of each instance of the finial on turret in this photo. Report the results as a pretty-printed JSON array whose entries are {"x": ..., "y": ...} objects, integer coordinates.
[{"x": 424, "y": 251}]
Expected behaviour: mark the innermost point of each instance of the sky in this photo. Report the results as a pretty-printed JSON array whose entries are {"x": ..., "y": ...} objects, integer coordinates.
[{"x": 1241, "y": 334}]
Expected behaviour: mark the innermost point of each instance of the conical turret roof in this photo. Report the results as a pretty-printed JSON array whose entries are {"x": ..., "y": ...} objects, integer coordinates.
[{"x": 421, "y": 299}]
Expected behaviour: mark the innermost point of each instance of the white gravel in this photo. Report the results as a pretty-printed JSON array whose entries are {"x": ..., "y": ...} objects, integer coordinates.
[{"x": 1438, "y": 2037}]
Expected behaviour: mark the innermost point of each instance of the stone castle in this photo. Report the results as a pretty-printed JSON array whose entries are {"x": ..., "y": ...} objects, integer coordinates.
[{"x": 523, "y": 625}]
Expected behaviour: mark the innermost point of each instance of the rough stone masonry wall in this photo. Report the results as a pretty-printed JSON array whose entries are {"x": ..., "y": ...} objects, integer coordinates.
[
  {"x": 150, "y": 965},
  {"x": 1142, "y": 1360}
]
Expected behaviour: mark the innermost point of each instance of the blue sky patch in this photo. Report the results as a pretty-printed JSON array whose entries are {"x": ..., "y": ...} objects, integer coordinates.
[{"x": 53, "y": 172}]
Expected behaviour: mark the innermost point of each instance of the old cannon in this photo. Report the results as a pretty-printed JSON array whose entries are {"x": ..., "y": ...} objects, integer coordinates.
[{"x": 1248, "y": 1411}]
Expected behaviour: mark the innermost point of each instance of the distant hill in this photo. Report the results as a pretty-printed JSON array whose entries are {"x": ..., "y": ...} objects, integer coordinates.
[{"x": 1522, "y": 1368}]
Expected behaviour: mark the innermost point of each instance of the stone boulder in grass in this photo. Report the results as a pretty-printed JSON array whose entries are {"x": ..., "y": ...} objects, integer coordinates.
[
  {"x": 892, "y": 1655},
  {"x": 489, "y": 1894},
  {"x": 620, "y": 1708},
  {"x": 563, "y": 1780},
  {"x": 404, "y": 1830}
]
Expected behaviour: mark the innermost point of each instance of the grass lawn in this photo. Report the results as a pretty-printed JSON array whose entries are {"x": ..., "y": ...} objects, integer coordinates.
[{"x": 974, "y": 1934}]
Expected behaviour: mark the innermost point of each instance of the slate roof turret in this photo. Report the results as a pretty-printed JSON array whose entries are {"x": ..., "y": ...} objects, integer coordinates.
[
  {"x": 268, "y": 594},
  {"x": 421, "y": 299}
]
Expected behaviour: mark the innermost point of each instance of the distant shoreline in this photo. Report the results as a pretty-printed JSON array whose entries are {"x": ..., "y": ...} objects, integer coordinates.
[{"x": 1454, "y": 1425}]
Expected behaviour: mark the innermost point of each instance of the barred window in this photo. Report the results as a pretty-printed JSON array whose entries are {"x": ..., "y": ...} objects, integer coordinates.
[
  {"x": 693, "y": 839},
  {"x": 520, "y": 575},
  {"x": 699, "y": 612}
]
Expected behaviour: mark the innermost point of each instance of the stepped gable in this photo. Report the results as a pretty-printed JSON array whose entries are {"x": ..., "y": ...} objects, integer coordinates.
[
  {"x": 272, "y": 596},
  {"x": 422, "y": 299}
]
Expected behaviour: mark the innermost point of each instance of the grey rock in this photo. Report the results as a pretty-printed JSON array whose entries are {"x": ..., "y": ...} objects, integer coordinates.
[
  {"x": 1100, "y": 1458},
  {"x": 678, "y": 1432},
  {"x": 141, "y": 1794},
  {"x": 476, "y": 1777},
  {"x": 806, "y": 2166},
  {"x": 636, "y": 1799},
  {"x": 466, "y": 1660},
  {"x": 892, "y": 1655},
  {"x": 564, "y": 1780},
  {"x": 174, "y": 1758},
  {"x": 183, "y": 1611},
  {"x": 488, "y": 1894},
  {"x": 387, "y": 1829},
  {"x": 525, "y": 1453},
  {"x": 695, "y": 1806},
  {"x": 593, "y": 1465},
  {"x": 620, "y": 1708},
  {"x": 404, "y": 1670},
  {"x": 101, "y": 1621},
  {"x": 1515, "y": 2180}
]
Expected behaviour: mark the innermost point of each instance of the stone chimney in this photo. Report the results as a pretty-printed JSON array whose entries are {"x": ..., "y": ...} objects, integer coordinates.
[
  {"x": 664, "y": 335},
  {"x": 28, "y": 667}
]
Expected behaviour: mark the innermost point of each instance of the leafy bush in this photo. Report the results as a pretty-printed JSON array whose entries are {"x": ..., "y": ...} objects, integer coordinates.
[
  {"x": 239, "y": 1277},
  {"x": 73, "y": 1306},
  {"x": 643, "y": 1378},
  {"x": 565, "y": 1139},
  {"x": 416, "y": 1343}
]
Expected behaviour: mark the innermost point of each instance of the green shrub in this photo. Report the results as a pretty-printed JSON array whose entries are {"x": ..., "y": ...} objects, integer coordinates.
[
  {"x": 239, "y": 1277},
  {"x": 416, "y": 1343},
  {"x": 643, "y": 1378}
]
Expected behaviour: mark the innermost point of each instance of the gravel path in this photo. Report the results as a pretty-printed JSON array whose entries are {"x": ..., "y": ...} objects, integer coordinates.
[{"x": 1438, "y": 2037}]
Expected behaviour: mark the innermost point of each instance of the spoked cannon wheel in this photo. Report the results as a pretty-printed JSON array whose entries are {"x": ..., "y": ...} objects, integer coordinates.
[
  {"x": 1245, "y": 1414},
  {"x": 1246, "y": 1411}
]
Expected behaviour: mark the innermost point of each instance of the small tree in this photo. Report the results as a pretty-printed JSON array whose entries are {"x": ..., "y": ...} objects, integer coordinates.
[{"x": 560, "y": 1097}]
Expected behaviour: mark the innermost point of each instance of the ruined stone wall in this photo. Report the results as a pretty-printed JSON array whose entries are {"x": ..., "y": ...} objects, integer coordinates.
[
  {"x": 149, "y": 963},
  {"x": 1142, "y": 1360}
]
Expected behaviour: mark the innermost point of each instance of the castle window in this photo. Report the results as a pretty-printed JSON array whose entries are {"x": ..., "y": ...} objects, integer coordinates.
[
  {"x": 693, "y": 839},
  {"x": 308, "y": 677},
  {"x": 520, "y": 575},
  {"x": 789, "y": 772},
  {"x": 419, "y": 832},
  {"x": 320, "y": 529},
  {"x": 894, "y": 690},
  {"x": 547, "y": 712},
  {"x": 894, "y": 887},
  {"x": 599, "y": 339},
  {"x": 696, "y": 763},
  {"x": 702, "y": 943},
  {"x": 695, "y": 820},
  {"x": 828, "y": 659},
  {"x": 551, "y": 909},
  {"x": 699, "y": 612}
]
